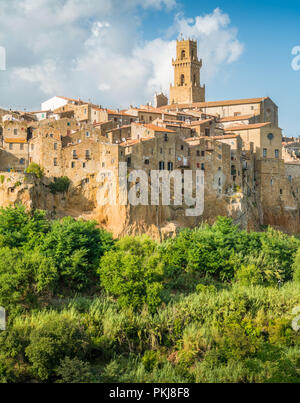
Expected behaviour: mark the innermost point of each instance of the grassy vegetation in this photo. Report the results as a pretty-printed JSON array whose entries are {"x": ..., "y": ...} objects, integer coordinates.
[{"x": 213, "y": 304}]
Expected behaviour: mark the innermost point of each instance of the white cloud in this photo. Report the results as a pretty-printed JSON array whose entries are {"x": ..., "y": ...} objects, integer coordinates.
[{"x": 94, "y": 50}]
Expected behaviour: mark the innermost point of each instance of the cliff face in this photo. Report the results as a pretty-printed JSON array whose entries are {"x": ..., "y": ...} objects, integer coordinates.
[{"x": 82, "y": 201}]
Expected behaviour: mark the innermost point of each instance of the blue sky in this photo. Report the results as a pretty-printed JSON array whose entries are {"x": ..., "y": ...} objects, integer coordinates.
[
  {"x": 118, "y": 53},
  {"x": 269, "y": 30}
]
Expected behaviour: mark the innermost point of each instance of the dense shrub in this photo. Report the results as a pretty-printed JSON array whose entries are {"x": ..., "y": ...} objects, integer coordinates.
[
  {"x": 203, "y": 306},
  {"x": 35, "y": 169},
  {"x": 61, "y": 185},
  {"x": 74, "y": 247},
  {"x": 133, "y": 272}
]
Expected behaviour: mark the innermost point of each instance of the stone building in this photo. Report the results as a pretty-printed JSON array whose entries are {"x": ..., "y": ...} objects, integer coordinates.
[
  {"x": 187, "y": 88},
  {"x": 250, "y": 173}
]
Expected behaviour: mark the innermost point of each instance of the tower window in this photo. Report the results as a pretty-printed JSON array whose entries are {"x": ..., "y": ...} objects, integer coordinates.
[
  {"x": 183, "y": 54},
  {"x": 161, "y": 165},
  {"x": 182, "y": 79},
  {"x": 195, "y": 80},
  {"x": 265, "y": 153},
  {"x": 276, "y": 153}
]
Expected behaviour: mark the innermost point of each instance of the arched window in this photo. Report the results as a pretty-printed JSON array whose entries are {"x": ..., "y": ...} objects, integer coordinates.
[
  {"x": 22, "y": 161},
  {"x": 195, "y": 79},
  {"x": 183, "y": 54},
  {"x": 170, "y": 166},
  {"x": 182, "y": 79},
  {"x": 161, "y": 165}
]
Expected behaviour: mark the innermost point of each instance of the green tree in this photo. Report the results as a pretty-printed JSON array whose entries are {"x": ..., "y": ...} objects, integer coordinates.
[
  {"x": 19, "y": 228},
  {"x": 24, "y": 276},
  {"x": 35, "y": 169},
  {"x": 133, "y": 272},
  {"x": 57, "y": 336},
  {"x": 74, "y": 247},
  {"x": 74, "y": 371},
  {"x": 61, "y": 185}
]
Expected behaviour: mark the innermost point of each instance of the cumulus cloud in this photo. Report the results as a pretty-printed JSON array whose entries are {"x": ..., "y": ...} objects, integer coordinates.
[{"x": 94, "y": 50}]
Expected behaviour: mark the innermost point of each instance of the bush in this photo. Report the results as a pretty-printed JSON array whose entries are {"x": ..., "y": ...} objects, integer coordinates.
[
  {"x": 35, "y": 169},
  {"x": 19, "y": 228},
  {"x": 61, "y": 185},
  {"x": 75, "y": 247},
  {"x": 249, "y": 275},
  {"x": 133, "y": 272},
  {"x": 23, "y": 277},
  {"x": 74, "y": 371}
]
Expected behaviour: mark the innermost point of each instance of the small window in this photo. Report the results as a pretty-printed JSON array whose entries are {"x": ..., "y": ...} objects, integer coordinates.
[
  {"x": 202, "y": 153},
  {"x": 15, "y": 132},
  {"x": 265, "y": 153},
  {"x": 55, "y": 162},
  {"x": 147, "y": 162},
  {"x": 161, "y": 165},
  {"x": 181, "y": 147},
  {"x": 202, "y": 167},
  {"x": 276, "y": 153},
  {"x": 87, "y": 154},
  {"x": 10, "y": 146},
  {"x": 207, "y": 131},
  {"x": 198, "y": 164},
  {"x": 83, "y": 165},
  {"x": 166, "y": 137},
  {"x": 55, "y": 146},
  {"x": 68, "y": 124},
  {"x": 170, "y": 166},
  {"x": 72, "y": 164},
  {"x": 160, "y": 150},
  {"x": 281, "y": 192},
  {"x": 198, "y": 153},
  {"x": 32, "y": 147},
  {"x": 21, "y": 146},
  {"x": 51, "y": 135},
  {"x": 87, "y": 134},
  {"x": 22, "y": 161}
]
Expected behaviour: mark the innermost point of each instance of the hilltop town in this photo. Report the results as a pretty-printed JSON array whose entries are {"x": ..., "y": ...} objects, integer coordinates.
[{"x": 252, "y": 172}]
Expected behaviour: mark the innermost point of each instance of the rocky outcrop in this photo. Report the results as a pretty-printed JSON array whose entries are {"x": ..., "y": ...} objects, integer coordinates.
[{"x": 160, "y": 222}]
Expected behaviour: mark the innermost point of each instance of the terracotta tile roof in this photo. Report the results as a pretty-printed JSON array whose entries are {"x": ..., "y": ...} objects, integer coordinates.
[
  {"x": 246, "y": 127},
  {"x": 151, "y": 109},
  {"x": 19, "y": 140},
  {"x": 200, "y": 122},
  {"x": 216, "y": 103},
  {"x": 158, "y": 128}
]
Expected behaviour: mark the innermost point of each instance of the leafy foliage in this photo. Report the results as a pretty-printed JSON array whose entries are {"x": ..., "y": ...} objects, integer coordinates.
[
  {"x": 35, "y": 169},
  {"x": 133, "y": 272},
  {"x": 61, "y": 185},
  {"x": 203, "y": 306}
]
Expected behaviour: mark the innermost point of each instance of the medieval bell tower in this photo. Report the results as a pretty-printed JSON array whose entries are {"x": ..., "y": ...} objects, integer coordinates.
[{"x": 187, "y": 88}]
